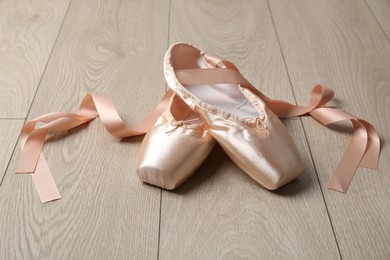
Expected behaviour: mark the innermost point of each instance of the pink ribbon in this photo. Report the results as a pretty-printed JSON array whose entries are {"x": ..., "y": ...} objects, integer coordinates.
[
  {"x": 362, "y": 151},
  {"x": 32, "y": 137}
]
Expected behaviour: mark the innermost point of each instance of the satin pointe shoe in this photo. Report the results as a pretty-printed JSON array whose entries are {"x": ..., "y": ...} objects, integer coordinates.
[
  {"x": 175, "y": 147},
  {"x": 247, "y": 130}
]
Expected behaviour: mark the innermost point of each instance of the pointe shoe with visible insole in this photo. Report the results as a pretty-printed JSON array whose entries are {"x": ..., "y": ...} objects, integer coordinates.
[{"x": 247, "y": 130}]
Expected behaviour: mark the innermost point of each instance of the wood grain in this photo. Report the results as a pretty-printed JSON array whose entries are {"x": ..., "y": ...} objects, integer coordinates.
[
  {"x": 28, "y": 30},
  {"x": 217, "y": 27},
  {"x": 220, "y": 213},
  {"x": 340, "y": 44},
  {"x": 9, "y": 132},
  {"x": 381, "y": 10},
  {"x": 114, "y": 48}
]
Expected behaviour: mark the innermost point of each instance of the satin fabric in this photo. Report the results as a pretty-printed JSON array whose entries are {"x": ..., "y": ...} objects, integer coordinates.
[
  {"x": 265, "y": 151},
  {"x": 33, "y": 137},
  {"x": 363, "y": 150},
  {"x": 261, "y": 146},
  {"x": 173, "y": 149}
]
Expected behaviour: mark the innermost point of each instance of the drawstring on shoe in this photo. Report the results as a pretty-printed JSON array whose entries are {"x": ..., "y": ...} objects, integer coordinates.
[
  {"x": 259, "y": 123},
  {"x": 177, "y": 124}
]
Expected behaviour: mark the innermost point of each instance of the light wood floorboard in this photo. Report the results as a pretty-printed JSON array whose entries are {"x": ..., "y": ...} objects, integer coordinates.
[
  {"x": 9, "y": 132},
  {"x": 28, "y": 30},
  {"x": 381, "y": 10},
  {"x": 340, "y": 44},
  {"x": 220, "y": 212},
  {"x": 53, "y": 52},
  {"x": 114, "y": 48}
]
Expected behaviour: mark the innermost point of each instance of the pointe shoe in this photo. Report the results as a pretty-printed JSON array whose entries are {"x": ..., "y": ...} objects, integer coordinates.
[
  {"x": 174, "y": 148},
  {"x": 247, "y": 130}
]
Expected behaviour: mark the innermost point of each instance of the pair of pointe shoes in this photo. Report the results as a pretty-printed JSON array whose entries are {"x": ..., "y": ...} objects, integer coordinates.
[{"x": 212, "y": 102}]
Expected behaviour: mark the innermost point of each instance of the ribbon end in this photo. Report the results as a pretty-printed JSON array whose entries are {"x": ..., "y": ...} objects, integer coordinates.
[
  {"x": 338, "y": 185},
  {"x": 54, "y": 198},
  {"x": 373, "y": 166},
  {"x": 370, "y": 162},
  {"x": 22, "y": 168},
  {"x": 337, "y": 188},
  {"x": 47, "y": 192}
]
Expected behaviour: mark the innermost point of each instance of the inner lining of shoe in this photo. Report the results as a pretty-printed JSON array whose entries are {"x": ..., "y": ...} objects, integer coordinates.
[
  {"x": 181, "y": 112},
  {"x": 227, "y": 97}
]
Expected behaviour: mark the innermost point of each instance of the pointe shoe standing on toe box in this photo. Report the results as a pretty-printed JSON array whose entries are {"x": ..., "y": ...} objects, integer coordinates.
[
  {"x": 250, "y": 133},
  {"x": 174, "y": 148}
]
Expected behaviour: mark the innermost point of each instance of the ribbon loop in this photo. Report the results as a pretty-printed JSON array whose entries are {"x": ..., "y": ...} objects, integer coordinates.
[
  {"x": 32, "y": 138},
  {"x": 364, "y": 147},
  {"x": 362, "y": 151}
]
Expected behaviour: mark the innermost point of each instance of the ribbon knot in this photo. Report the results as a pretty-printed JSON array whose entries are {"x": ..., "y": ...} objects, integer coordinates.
[
  {"x": 177, "y": 124},
  {"x": 259, "y": 123}
]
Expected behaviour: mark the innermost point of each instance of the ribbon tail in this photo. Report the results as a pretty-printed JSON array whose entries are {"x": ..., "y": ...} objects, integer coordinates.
[
  {"x": 32, "y": 140},
  {"x": 44, "y": 182},
  {"x": 348, "y": 165},
  {"x": 371, "y": 155},
  {"x": 31, "y": 148}
]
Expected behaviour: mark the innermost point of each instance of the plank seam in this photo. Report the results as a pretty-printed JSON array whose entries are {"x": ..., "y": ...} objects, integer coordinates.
[
  {"x": 35, "y": 94},
  {"x": 159, "y": 228},
  {"x": 9, "y": 162},
  {"x": 376, "y": 19},
  {"x": 322, "y": 192},
  {"x": 304, "y": 129},
  {"x": 166, "y": 88},
  {"x": 48, "y": 60}
]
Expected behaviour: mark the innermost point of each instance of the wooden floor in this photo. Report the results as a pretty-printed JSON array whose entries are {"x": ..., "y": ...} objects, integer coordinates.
[{"x": 52, "y": 52}]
